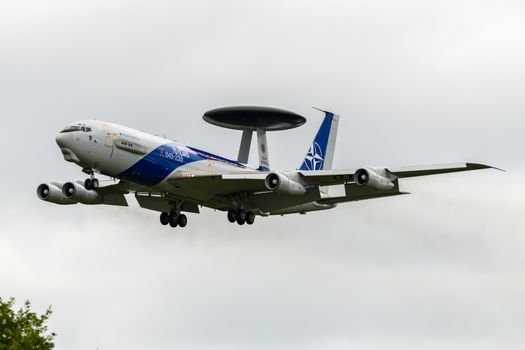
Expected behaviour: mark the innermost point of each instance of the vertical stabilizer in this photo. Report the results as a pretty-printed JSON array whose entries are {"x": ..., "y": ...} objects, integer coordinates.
[{"x": 321, "y": 153}]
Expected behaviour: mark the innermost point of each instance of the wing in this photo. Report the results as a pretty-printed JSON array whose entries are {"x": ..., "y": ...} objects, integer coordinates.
[
  {"x": 340, "y": 177},
  {"x": 213, "y": 189},
  {"x": 414, "y": 171},
  {"x": 221, "y": 184}
]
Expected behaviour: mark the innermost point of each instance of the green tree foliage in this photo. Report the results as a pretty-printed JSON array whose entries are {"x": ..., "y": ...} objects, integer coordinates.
[{"x": 23, "y": 329}]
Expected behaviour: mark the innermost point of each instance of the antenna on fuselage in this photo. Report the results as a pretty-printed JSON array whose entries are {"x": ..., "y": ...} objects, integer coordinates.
[{"x": 250, "y": 119}]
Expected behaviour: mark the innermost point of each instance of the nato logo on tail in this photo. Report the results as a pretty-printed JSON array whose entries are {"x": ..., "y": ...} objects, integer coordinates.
[
  {"x": 314, "y": 158},
  {"x": 321, "y": 152}
]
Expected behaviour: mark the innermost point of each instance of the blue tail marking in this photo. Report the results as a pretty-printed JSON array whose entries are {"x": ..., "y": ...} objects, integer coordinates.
[{"x": 316, "y": 155}]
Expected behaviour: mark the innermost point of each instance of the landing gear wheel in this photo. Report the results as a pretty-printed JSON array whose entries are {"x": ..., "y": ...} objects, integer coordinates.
[
  {"x": 232, "y": 215},
  {"x": 173, "y": 220},
  {"x": 164, "y": 218},
  {"x": 241, "y": 214},
  {"x": 182, "y": 220},
  {"x": 250, "y": 218},
  {"x": 241, "y": 221},
  {"x": 91, "y": 184}
]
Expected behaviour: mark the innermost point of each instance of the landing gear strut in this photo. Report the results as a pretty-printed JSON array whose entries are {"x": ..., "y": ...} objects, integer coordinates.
[{"x": 241, "y": 217}]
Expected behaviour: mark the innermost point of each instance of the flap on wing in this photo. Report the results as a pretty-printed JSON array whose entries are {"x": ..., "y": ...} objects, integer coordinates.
[
  {"x": 159, "y": 204},
  {"x": 122, "y": 187},
  {"x": 436, "y": 169},
  {"x": 115, "y": 199},
  {"x": 354, "y": 192},
  {"x": 113, "y": 189},
  {"x": 114, "y": 194},
  {"x": 327, "y": 177}
]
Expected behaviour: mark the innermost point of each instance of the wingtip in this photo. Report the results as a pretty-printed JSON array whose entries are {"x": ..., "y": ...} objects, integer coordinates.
[{"x": 475, "y": 166}]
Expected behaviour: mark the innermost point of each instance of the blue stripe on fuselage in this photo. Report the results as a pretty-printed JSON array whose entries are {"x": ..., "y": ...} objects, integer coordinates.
[
  {"x": 161, "y": 162},
  {"x": 158, "y": 164},
  {"x": 207, "y": 155}
]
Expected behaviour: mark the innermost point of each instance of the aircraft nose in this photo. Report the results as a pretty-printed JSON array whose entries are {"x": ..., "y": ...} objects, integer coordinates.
[{"x": 61, "y": 140}]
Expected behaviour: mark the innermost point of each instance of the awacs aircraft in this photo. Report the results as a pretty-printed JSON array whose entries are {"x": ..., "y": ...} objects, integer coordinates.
[{"x": 173, "y": 178}]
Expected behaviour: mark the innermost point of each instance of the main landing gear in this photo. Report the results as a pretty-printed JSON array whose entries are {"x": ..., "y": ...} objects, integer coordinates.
[
  {"x": 174, "y": 219},
  {"x": 241, "y": 217}
]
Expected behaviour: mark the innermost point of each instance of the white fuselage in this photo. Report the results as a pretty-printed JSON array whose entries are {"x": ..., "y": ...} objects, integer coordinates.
[{"x": 136, "y": 156}]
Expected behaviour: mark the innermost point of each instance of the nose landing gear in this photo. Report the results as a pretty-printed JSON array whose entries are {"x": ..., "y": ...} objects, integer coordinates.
[{"x": 91, "y": 183}]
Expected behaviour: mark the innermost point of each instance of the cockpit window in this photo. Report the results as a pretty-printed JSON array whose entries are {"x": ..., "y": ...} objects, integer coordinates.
[{"x": 71, "y": 128}]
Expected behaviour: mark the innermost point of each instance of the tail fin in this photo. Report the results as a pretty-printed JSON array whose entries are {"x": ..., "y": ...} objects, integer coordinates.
[{"x": 321, "y": 152}]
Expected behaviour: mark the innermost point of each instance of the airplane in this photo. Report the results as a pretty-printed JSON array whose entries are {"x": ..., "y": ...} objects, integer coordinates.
[{"x": 173, "y": 178}]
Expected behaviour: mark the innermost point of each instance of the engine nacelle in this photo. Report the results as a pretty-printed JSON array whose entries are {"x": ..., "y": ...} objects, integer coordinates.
[
  {"x": 277, "y": 182},
  {"x": 370, "y": 178},
  {"x": 52, "y": 192},
  {"x": 78, "y": 193}
]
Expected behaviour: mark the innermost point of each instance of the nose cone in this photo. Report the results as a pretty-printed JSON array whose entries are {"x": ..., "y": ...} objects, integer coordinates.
[{"x": 61, "y": 140}]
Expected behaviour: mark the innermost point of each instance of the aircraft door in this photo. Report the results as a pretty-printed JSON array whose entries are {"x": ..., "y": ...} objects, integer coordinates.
[
  {"x": 109, "y": 141},
  {"x": 108, "y": 138}
]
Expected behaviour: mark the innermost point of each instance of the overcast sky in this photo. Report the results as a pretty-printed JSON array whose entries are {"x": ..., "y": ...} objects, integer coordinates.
[{"x": 415, "y": 82}]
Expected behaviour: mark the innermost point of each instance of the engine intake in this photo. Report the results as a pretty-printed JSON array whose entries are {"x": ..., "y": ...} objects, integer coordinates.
[
  {"x": 370, "y": 178},
  {"x": 277, "y": 182},
  {"x": 78, "y": 193},
  {"x": 51, "y": 192}
]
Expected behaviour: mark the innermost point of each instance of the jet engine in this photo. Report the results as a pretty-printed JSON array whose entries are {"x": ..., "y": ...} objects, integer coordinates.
[
  {"x": 372, "y": 178},
  {"x": 78, "y": 193},
  {"x": 277, "y": 182},
  {"x": 52, "y": 192}
]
